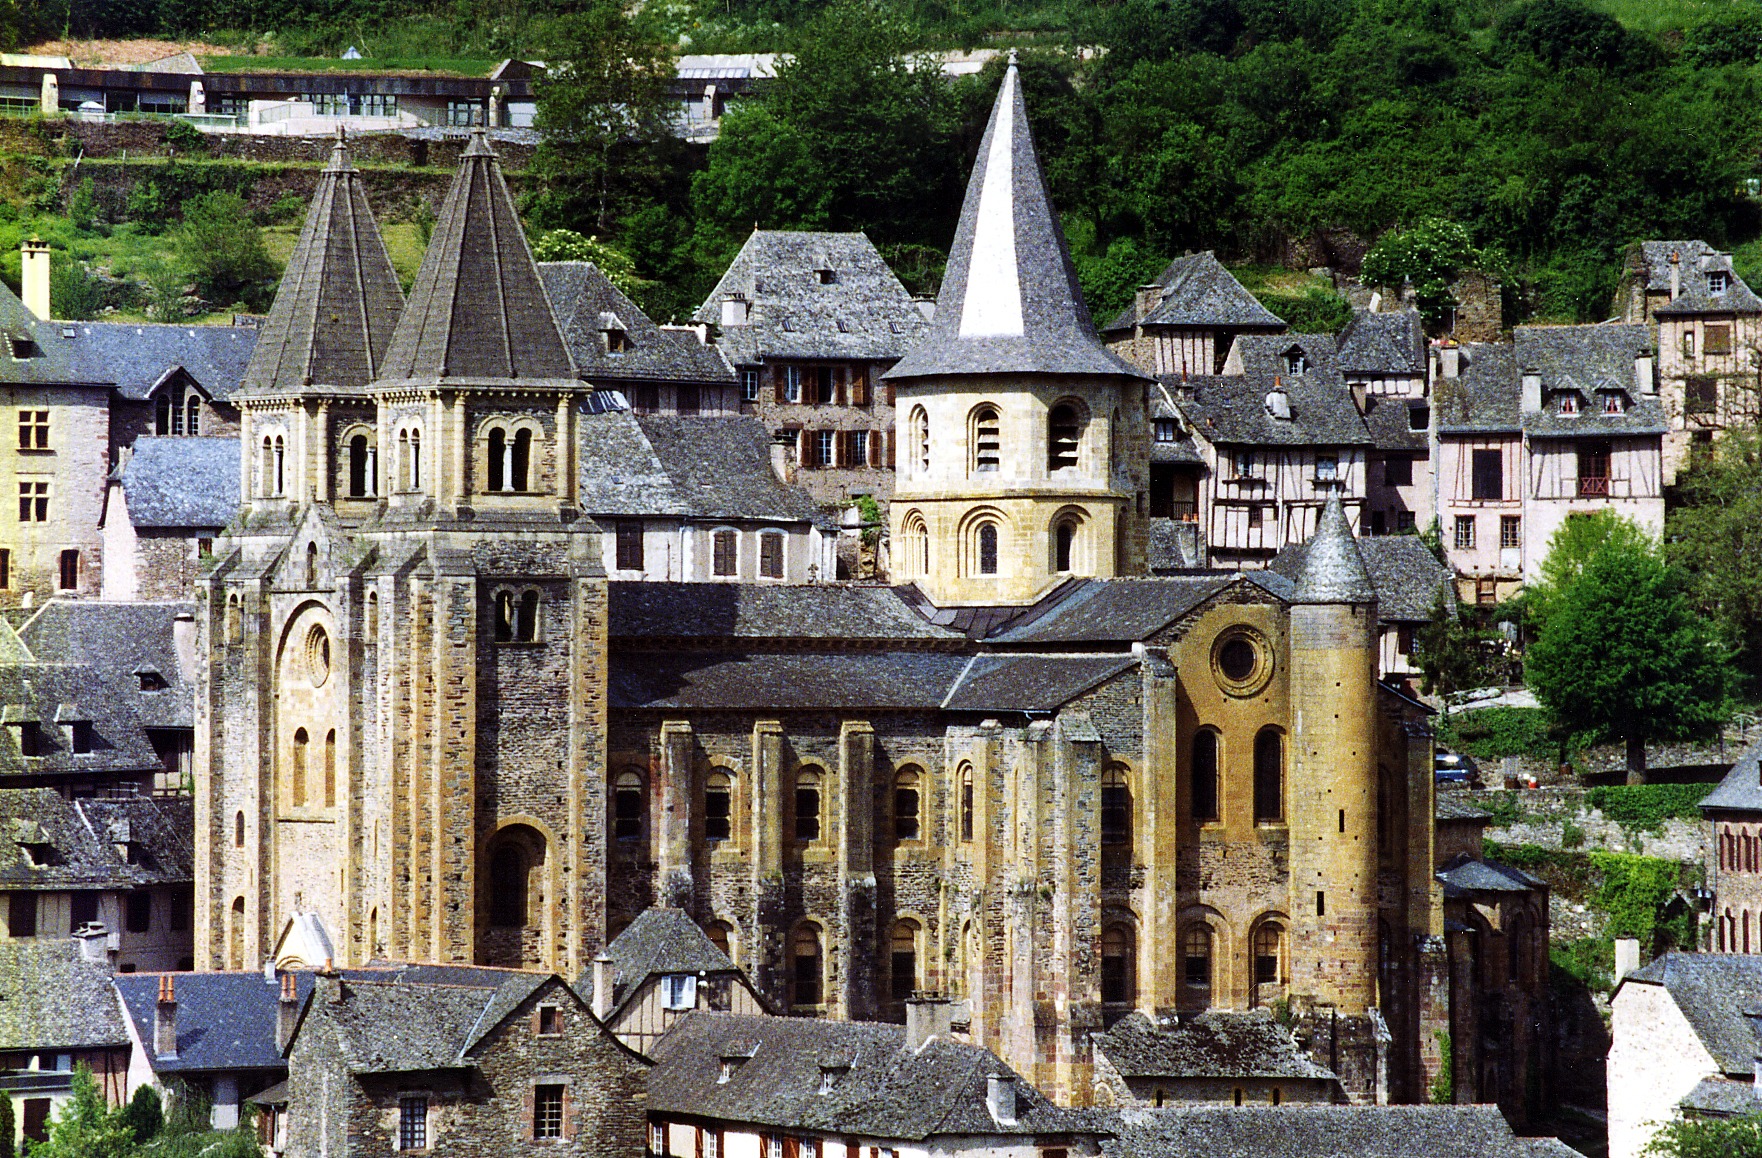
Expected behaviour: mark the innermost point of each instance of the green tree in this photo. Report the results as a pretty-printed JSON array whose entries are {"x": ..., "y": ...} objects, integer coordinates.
[
  {"x": 604, "y": 111},
  {"x": 8, "y": 1129},
  {"x": 1715, "y": 533},
  {"x": 1429, "y": 255},
  {"x": 1450, "y": 649},
  {"x": 762, "y": 173},
  {"x": 1708, "y": 1138},
  {"x": 1623, "y": 654},
  {"x": 82, "y": 206},
  {"x": 73, "y": 292},
  {"x": 224, "y": 251},
  {"x": 86, "y": 1127},
  {"x": 1570, "y": 548},
  {"x": 568, "y": 245},
  {"x": 144, "y": 1116}
]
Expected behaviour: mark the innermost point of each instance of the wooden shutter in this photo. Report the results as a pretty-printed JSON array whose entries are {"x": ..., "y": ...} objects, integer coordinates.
[
  {"x": 777, "y": 382},
  {"x": 859, "y": 386},
  {"x": 889, "y": 435}
]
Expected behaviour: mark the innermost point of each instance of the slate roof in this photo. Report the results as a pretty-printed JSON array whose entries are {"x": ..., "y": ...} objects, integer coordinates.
[
  {"x": 1485, "y": 398},
  {"x": 905, "y": 680},
  {"x": 1588, "y": 360},
  {"x": 1406, "y": 576},
  {"x": 700, "y": 467},
  {"x": 339, "y": 299},
  {"x": 1382, "y": 343},
  {"x": 863, "y": 313},
  {"x": 1722, "y": 1097},
  {"x": 727, "y": 611},
  {"x": 1333, "y": 569},
  {"x": 181, "y": 482},
  {"x": 1213, "y": 1044},
  {"x": 115, "y": 642},
  {"x": 1741, "y": 790},
  {"x": 886, "y": 1090},
  {"x": 1031, "y": 683},
  {"x": 405, "y": 1026},
  {"x": 1310, "y": 1131},
  {"x": 1010, "y": 302},
  {"x": 225, "y": 1021},
  {"x": 1698, "y": 259},
  {"x": 1715, "y": 992},
  {"x": 1231, "y": 409},
  {"x": 660, "y": 941},
  {"x": 1173, "y": 546},
  {"x": 478, "y": 310},
  {"x": 1198, "y": 291},
  {"x": 1111, "y": 610},
  {"x": 1465, "y": 874},
  {"x": 51, "y": 999},
  {"x": 35, "y": 353},
  {"x": 587, "y": 305},
  {"x": 135, "y": 357},
  {"x": 1458, "y": 806},
  {"x": 50, "y": 842},
  {"x": 1389, "y": 421}
]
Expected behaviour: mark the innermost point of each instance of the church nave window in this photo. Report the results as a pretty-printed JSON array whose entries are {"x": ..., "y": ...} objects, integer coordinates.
[{"x": 719, "y": 806}]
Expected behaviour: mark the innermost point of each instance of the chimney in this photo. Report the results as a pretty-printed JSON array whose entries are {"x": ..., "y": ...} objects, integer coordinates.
[
  {"x": 1376, "y": 301},
  {"x": 287, "y": 1011},
  {"x": 1450, "y": 360},
  {"x": 183, "y": 641},
  {"x": 94, "y": 941},
  {"x": 1627, "y": 956},
  {"x": 1532, "y": 392},
  {"x": 735, "y": 309},
  {"x": 1675, "y": 274},
  {"x": 783, "y": 456},
  {"x": 49, "y": 99},
  {"x": 165, "y": 1019},
  {"x": 602, "y": 986},
  {"x": 925, "y": 1018},
  {"x": 1644, "y": 382},
  {"x": 1000, "y": 1098},
  {"x": 926, "y": 307},
  {"x": 1148, "y": 297},
  {"x": 35, "y": 260},
  {"x": 1360, "y": 395},
  {"x": 1278, "y": 403}
]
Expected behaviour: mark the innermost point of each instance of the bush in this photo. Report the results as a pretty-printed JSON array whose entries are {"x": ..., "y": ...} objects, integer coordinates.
[
  {"x": 186, "y": 137},
  {"x": 224, "y": 251},
  {"x": 74, "y": 294},
  {"x": 1634, "y": 891},
  {"x": 1645, "y": 807},
  {"x": 1494, "y": 733},
  {"x": 147, "y": 206},
  {"x": 1317, "y": 311},
  {"x": 287, "y": 209},
  {"x": 1587, "y": 960}
]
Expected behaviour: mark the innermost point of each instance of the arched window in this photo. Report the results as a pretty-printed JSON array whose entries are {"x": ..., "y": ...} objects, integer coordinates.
[
  {"x": 498, "y": 466},
  {"x": 1205, "y": 778},
  {"x": 807, "y": 806},
  {"x": 771, "y": 555},
  {"x": 1116, "y": 806},
  {"x": 903, "y": 975},
  {"x": 1269, "y": 954},
  {"x": 914, "y": 548},
  {"x": 238, "y": 830},
  {"x": 504, "y": 616},
  {"x": 235, "y": 620},
  {"x": 1064, "y": 539},
  {"x": 1196, "y": 956},
  {"x": 297, "y": 773},
  {"x": 281, "y": 456},
  {"x": 1516, "y": 948},
  {"x": 1269, "y": 777},
  {"x": 987, "y": 549},
  {"x": 966, "y": 777},
  {"x": 520, "y": 461},
  {"x": 361, "y": 481},
  {"x": 1064, "y": 437},
  {"x": 410, "y": 459},
  {"x": 721, "y": 935},
  {"x": 370, "y": 616},
  {"x": 266, "y": 469},
  {"x": 192, "y": 414},
  {"x": 718, "y": 806},
  {"x": 920, "y": 444},
  {"x": 330, "y": 769},
  {"x": 808, "y": 967},
  {"x": 509, "y": 870},
  {"x": 373, "y": 932},
  {"x": 986, "y": 441},
  {"x": 235, "y": 935},
  {"x": 526, "y": 618},
  {"x": 906, "y": 803},
  {"x": 1116, "y": 965},
  {"x": 165, "y": 414},
  {"x": 311, "y": 564},
  {"x": 629, "y": 803}
]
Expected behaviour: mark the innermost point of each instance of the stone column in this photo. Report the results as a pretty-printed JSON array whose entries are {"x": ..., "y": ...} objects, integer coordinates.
[
  {"x": 678, "y": 791},
  {"x": 770, "y": 926},
  {"x": 856, "y": 866}
]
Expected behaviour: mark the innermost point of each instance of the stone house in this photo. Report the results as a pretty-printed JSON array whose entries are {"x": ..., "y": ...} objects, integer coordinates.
[
  {"x": 1384, "y": 361},
  {"x": 496, "y": 1064},
  {"x": 734, "y": 1085},
  {"x": 1409, "y": 582},
  {"x": 811, "y": 322},
  {"x": 658, "y": 369},
  {"x": 1708, "y": 328},
  {"x": 1683, "y": 1034},
  {"x": 166, "y": 504},
  {"x": 1734, "y": 812},
  {"x": 1240, "y": 1059},
  {"x": 57, "y": 1011},
  {"x": 1184, "y": 322},
  {"x": 656, "y": 971},
  {"x": 116, "y": 867}
]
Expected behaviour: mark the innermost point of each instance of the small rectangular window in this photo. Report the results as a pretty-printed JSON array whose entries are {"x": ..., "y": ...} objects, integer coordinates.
[
  {"x": 1419, "y": 417},
  {"x": 792, "y": 379},
  {"x": 5, "y": 568},
  {"x": 1255, "y": 514},
  {"x": 723, "y": 551},
  {"x": 1167, "y": 430},
  {"x": 1511, "y": 530},
  {"x": 679, "y": 991},
  {"x": 547, "y": 1112},
  {"x": 825, "y": 448},
  {"x": 70, "y": 570},
  {"x": 688, "y": 400},
  {"x": 1465, "y": 531},
  {"x": 1718, "y": 340},
  {"x": 807, "y": 814},
  {"x": 21, "y": 914},
  {"x": 859, "y": 387},
  {"x": 1398, "y": 471},
  {"x": 859, "y": 448},
  {"x": 1489, "y": 475},
  {"x": 550, "y": 1021},
  {"x": 657, "y": 1138},
  {"x": 629, "y": 546},
  {"x": 718, "y": 811},
  {"x": 749, "y": 384},
  {"x": 1327, "y": 468},
  {"x": 1321, "y": 903},
  {"x": 139, "y": 918},
  {"x": 771, "y": 556},
  {"x": 33, "y": 502},
  {"x": 33, "y": 430},
  {"x": 1242, "y": 464},
  {"x": 413, "y": 1122}
]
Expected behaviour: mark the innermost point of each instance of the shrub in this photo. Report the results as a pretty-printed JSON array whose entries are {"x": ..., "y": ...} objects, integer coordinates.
[
  {"x": 1493, "y": 733},
  {"x": 1645, "y": 807},
  {"x": 186, "y": 137}
]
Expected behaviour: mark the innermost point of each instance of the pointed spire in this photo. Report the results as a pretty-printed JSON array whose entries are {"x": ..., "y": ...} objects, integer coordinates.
[
  {"x": 1010, "y": 300},
  {"x": 478, "y": 309},
  {"x": 1333, "y": 568},
  {"x": 339, "y": 298}
]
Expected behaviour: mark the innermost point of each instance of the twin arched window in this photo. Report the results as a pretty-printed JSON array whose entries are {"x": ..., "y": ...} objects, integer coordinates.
[
  {"x": 178, "y": 411},
  {"x": 410, "y": 459},
  {"x": 517, "y": 616},
  {"x": 272, "y": 467},
  {"x": 510, "y": 460},
  {"x": 363, "y": 467}
]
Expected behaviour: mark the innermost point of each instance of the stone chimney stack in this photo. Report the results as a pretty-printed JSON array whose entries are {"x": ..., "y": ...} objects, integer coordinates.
[
  {"x": 165, "y": 1018},
  {"x": 925, "y": 1018},
  {"x": 735, "y": 309},
  {"x": 1450, "y": 360},
  {"x": 35, "y": 260},
  {"x": 1148, "y": 297},
  {"x": 1644, "y": 382},
  {"x": 1000, "y": 1098},
  {"x": 603, "y": 967},
  {"x": 94, "y": 941},
  {"x": 287, "y": 1011},
  {"x": 183, "y": 642},
  {"x": 783, "y": 456},
  {"x": 1627, "y": 956},
  {"x": 1675, "y": 275}
]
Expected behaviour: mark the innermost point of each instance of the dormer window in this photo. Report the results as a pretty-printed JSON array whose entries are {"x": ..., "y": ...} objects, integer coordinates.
[
  {"x": 617, "y": 341},
  {"x": 1167, "y": 430},
  {"x": 1419, "y": 417},
  {"x": 826, "y": 275},
  {"x": 1614, "y": 402},
  {"x": 1568, "y": 402},
  {"x": 1718, "y": 281},
  {"x": 1296, "y": 361},
  {"x": 679, "y": 991},
  {"x": 830, "y": 1075},
  {"x": 150, "y": 680},
  {"x": 22, "y": 346},
  {"x": 177, "y": 412}
]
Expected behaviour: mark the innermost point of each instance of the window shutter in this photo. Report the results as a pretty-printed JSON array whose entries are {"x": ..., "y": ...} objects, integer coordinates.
[
  {"x": 528, "y": 1109},
  {"x": 846, "y": 448},
  {"x": 568, "y": 1112},
  {"x": 859, "y": 386},
  {"x": 777, "y": 381},
  {"x": 890, "y": 450}
]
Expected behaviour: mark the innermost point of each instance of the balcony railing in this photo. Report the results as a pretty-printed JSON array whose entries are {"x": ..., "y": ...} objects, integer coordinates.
[{"x": 1593, "y": 487}]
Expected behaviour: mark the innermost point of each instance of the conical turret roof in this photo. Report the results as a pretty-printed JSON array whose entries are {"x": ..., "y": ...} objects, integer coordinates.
[
  {"x": 1010, "y": 302},
  {"x": 1333, "y": 569},
  {"x": 478, "y": 310},
  {"x": 339, "y": 299}
]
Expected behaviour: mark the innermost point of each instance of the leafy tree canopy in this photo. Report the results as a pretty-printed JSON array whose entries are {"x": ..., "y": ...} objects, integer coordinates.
[
  {"x": 1430, "y": 255},
  {"x": 1707, "y": 1138},
  {"x": 1715, "y": 533},
  {"x": 224, "y": 252}
]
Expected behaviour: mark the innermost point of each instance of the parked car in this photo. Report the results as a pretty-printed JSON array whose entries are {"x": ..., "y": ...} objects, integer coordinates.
[{"x": 1455, "y": 768}]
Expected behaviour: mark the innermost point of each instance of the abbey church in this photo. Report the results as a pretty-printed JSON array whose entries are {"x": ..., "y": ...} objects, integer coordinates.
[{"x": 1026, "y": 791}]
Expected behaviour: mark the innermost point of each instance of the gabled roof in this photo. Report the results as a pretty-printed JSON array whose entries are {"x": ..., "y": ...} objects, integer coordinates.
[
  {"x": 1310, "y": 1131},
  {"x": 863, "y": 312},
  {"x": 1485, "y": 397},
  {"x": 826, "y": 681},
  {"x": 1741, "y": 790},
  {"x": 478, "y": 310},
  {"x": 719, "y": 612},
  {"x": 587, "y": 303},
  {"x": 879, "y": 1087},
  {"x": 1333, "y": 570},
  {"x": 699, "y": 467},
  {"x": 1383, "y": 343},
  {"x": 1406, "y": 576},
  {"x": 1010, "y": 302},
  {"x": 339, "y": 299},
  {"x": 1215, "y": 1044},
  {"x": 136, "y": 358},
  {"x": 660, "y": 941},
  {"x": 1198, "y": 291},
  {"x": 1463, "y": 873},
  {"x": 1231, "y": 409},
  {"x": 181, "y": 482},
  {"x": 113, "y": 643},
  {"x": 1716, "y": 993},
  {"x": 32, "y": 352},
  {"x": 1589, "y": 361},
  {"x": 1390, "y": 421},
  {"x": 1031, "y": 683},
  {"x": 225, "y": 1021},
  {"x": 1697, "y": 259},
  {"x": 76, "y": 841},
  {"x": 51, "y": 999},
  {"x": 1111, "y": 610}
]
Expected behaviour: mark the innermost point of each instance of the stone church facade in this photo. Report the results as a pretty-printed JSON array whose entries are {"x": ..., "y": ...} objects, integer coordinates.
[{"x": 1034, "y": 788}]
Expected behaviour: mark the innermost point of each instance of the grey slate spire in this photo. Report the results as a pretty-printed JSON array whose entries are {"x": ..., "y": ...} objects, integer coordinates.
[
  {"x": 1010, "y": 301},
  {"x": 478, "y": 310},
  {"x": 1333, "y": 570},
  {"x": 339, "y": 299}
]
